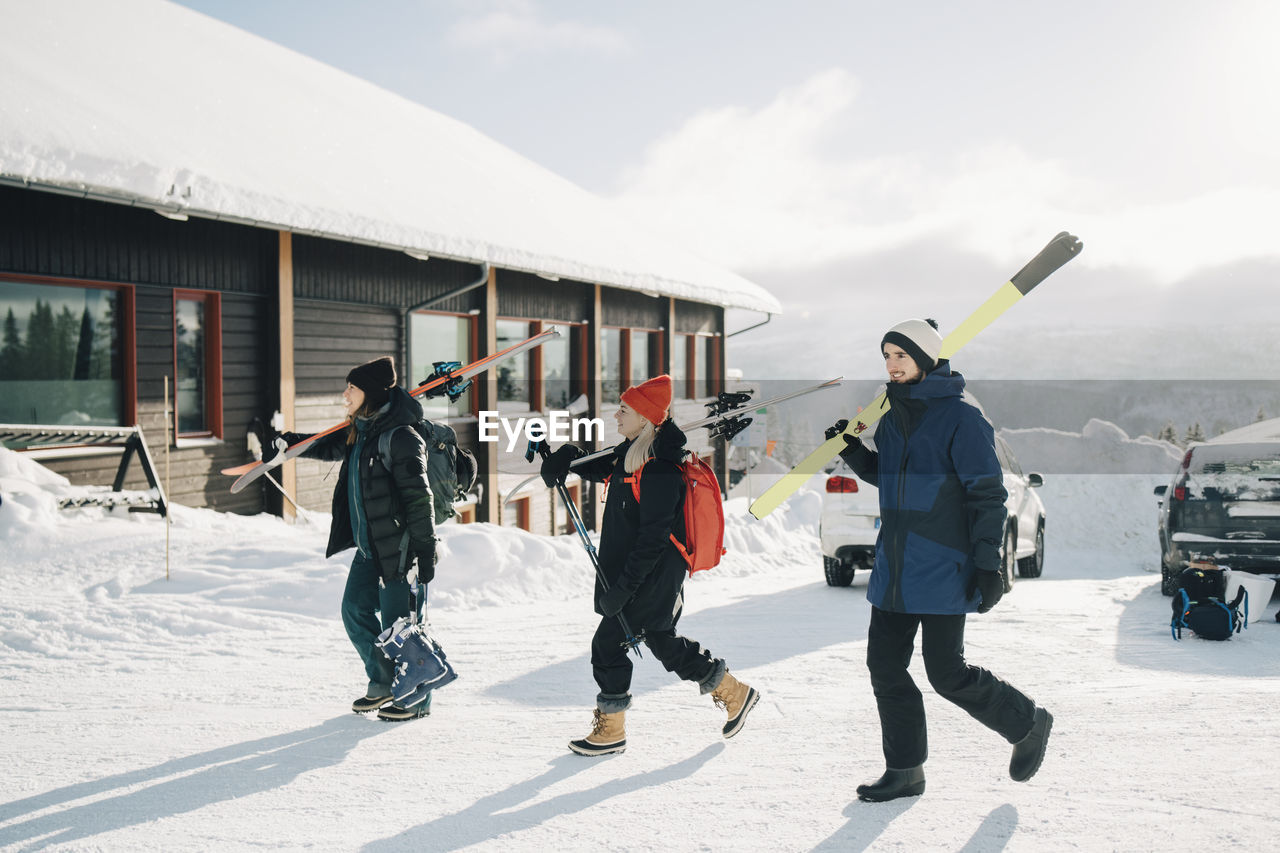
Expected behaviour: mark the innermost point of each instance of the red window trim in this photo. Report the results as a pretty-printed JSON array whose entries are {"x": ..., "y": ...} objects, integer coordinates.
[
  {"x": 212, "y": 300},
  {"x": 128, "y": 330},
  {"x": 473, "y": 344}
]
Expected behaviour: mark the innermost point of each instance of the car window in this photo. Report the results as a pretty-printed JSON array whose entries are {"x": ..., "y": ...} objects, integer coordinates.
[
  {"x": 1007, "y": 461},
  {"x": 1238, "y": 472}
]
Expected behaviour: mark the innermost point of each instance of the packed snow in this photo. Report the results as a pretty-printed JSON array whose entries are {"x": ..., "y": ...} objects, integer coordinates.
[{"x": 210, "y": 709}]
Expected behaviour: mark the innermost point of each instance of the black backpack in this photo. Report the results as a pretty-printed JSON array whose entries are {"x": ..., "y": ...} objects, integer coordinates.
[
  {"x": 450, "y": 469},
  {"x": 1199, "y": 605}
]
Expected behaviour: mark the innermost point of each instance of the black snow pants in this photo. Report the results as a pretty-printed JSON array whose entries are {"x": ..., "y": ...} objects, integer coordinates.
[
  {"x": 890, "y": 641},
  {"x": 611, "y": 664}
]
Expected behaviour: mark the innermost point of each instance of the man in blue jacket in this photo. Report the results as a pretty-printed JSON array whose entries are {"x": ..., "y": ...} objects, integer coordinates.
[{"x": 937, "y": 558}]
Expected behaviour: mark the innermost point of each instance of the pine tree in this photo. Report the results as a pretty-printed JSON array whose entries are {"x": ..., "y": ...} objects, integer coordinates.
[
  {"x": 1262, "y": 415},
  {"x": 11, "y": 349},
  {"x": 1168, "y": 433},
  {"x": 1194, "y": 433}
]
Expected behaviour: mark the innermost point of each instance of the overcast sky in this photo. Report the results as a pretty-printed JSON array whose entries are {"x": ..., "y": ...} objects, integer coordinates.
[{"x": 869, "y": 161}]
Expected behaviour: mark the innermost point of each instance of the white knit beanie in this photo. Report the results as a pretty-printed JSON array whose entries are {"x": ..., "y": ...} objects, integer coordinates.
[{"x": 919, "y": 338}]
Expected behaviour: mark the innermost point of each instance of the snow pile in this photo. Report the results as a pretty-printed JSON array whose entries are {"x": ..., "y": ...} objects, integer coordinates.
[
  {"x": 257, "y": 562},
  {"x": 1100, "y": 448}
]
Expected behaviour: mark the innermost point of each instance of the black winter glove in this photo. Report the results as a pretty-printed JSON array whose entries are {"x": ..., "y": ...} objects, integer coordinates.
[
  {"x": 990, "y": 584},
  {"x": 556, "y": 466},
  {"x": 612, "y": 602},
  {"x": 427, "y": 558}
]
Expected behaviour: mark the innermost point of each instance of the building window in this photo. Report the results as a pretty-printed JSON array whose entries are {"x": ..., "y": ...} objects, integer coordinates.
[
  {"x": 709, "y": 365},
  {"x": 695, "y": 366},
  {"x": 522, "y": 513},
  {"x": 680, "y": 367},
  {"x": 197, "y": 363},
  {"x": 562, "y": 521},
  {"x": 440, "y": 337},
  {"x": 513, "y": 374},
  {"x": 65, "y": 354},
  {"x": 564, "y": 366},
  {"x": 611, "y": 363},
  {"x": 629, "y": 357}
]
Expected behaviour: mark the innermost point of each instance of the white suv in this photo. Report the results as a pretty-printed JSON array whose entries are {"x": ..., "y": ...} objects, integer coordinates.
[{"x": 851, "y": 523}]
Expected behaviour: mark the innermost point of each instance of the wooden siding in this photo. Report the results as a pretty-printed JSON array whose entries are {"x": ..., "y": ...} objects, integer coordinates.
[
  {"x": 631, "y": 309},
  {"x": 329, "y": 340},
  {"x": 53, "y": 235},
  {"x": 522, "y": 294},
  {"x": 334, "y": 271},
  {"x": 698, "y": 317}
]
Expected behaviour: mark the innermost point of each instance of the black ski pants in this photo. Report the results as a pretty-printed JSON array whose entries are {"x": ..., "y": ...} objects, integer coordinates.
[
  {"x": 611, "y": 663},
  {"x": 890, "y": 641}
]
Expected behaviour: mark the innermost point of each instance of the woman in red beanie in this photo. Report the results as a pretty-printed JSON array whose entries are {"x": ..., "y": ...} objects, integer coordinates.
[{"x": 645, "y": 572}]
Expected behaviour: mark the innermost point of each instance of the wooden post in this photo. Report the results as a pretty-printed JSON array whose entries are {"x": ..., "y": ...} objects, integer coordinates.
[
  {"x": 486, "y": 390},
  {"x": 288, "y": 388},
  {"x": 168, "y": 523},
  {"x": 595, "y": 396},
  {"x": 669, "y": 341}
]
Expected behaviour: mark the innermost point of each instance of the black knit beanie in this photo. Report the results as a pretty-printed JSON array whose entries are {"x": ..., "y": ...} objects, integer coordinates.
[
  {"x": 376, "y": 379},
  {"x": 919, "y": 338}
]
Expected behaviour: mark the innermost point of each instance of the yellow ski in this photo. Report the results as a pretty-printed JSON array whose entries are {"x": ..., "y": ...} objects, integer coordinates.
[{"x": 1061, "y": 249}]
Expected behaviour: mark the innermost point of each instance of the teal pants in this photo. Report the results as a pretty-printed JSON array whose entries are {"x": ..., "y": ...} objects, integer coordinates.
[{"x": 363, "y": 601}]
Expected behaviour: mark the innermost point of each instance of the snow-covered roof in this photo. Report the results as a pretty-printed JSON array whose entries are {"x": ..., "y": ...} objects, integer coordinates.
[
  {"x": 149, "y": 103},
  {"x": 1260, "y": 431}
]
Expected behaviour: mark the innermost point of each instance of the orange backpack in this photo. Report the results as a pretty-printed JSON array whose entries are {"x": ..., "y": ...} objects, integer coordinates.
[{"x": 703, "y": 514}]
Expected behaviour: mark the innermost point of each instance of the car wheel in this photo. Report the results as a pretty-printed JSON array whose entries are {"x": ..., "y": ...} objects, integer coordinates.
[
  {"x": 1009, "y": 557},
  {"x": 1168, "y": 580},
  {"x": 838, "y": 573},
  {"x": 1033, "y": 566}
]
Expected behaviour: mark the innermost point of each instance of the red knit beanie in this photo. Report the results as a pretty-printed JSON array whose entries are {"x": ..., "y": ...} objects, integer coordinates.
[{"x": 650, "y": 399}]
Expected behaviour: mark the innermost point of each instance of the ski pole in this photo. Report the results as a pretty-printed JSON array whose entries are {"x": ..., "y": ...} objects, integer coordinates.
[{"x": 541, "y": 449}]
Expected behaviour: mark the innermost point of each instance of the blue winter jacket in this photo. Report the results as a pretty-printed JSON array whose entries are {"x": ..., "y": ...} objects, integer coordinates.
[{"x": 941, "y": 497}]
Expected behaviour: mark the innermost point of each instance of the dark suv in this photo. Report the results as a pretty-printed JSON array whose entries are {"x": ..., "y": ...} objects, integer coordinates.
[{"x": 1222, "y": 506}]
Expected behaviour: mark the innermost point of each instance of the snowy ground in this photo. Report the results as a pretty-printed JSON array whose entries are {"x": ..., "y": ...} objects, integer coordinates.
[{"x": 211, "y": 710}]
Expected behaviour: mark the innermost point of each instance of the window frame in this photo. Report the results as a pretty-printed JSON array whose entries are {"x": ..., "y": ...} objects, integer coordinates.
[
  {"x": 473, "y": 350},
  {"x": 654, "y": 357},
  {"x": 576, "y": 338},
  {"x": 212, "y": 301},
  {"x": 127, "y": 295},
  {"x": 695, "y": 355}
]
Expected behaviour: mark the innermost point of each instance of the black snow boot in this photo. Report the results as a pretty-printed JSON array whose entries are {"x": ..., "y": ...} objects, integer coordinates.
[
  {"x": 394, "y": 713},
  {"x": 894, "y": 784},
  {"x": 369, "y": 702},
  {"x": 1029, "y": 752}
]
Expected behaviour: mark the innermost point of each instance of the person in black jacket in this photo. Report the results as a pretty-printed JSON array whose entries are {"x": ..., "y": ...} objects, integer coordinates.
[
  {"x": 937, "y": 558},
  {"x": 644, "y": 570},
  {"x": 373, "y": 508}
]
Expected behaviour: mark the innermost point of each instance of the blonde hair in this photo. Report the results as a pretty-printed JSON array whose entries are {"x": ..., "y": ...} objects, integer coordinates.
[{"x": 641, "y": 449}]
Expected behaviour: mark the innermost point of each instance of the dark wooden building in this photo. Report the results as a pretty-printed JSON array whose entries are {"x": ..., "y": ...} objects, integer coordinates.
[{"x": 257, "y": 276}]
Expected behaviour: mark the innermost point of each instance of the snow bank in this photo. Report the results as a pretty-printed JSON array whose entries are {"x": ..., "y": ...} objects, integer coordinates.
[
  {"x": 1100, "y": 448},
  {"x": 263, "y": 563}
]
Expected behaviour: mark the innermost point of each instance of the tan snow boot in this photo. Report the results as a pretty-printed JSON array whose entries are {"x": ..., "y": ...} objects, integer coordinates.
[
  {"x": 737, "y": 699},
  {"x": 608, "y": 734}
]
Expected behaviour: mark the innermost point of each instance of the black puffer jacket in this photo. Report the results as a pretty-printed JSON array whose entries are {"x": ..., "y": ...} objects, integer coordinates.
[
  {"x": 393, "y": 501},
  {"x": 636, "y": 551}
]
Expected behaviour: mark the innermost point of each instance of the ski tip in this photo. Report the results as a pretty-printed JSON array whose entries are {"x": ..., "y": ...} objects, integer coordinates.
[
  {"x": 239, "y": 469},
  {"x": 1060, "y": 249}
]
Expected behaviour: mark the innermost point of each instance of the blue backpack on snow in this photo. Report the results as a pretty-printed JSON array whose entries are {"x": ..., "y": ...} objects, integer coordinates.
[{"x": 1199, "y": 605}]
